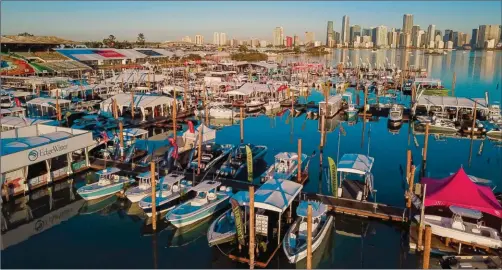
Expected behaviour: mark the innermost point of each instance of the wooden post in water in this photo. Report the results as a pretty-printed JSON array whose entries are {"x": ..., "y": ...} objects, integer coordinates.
[
  {"x": 453, "y": 84},
  {"x": 410, "y": 186},
  {"x": 132, "y": 104},
  {"x": 407, "y": 175},
  {"x": 299, "y": 160},
  {"x": 121, "y": 137},
  {"x": 251, "y": 227},
  {"x": 154, "y": 208},
  {"x": 426, "y": 144},
  {"x": 175, "y": 105},
  {"x": 199, "y": 151},
  {"x": 186, "y": 92},
  {"x": 427, "y": 247},
  {"x": 309, "y": 236},
  {"x": 242, "y": 124}
]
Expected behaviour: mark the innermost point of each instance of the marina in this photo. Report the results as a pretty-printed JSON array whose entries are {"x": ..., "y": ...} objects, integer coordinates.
[{"x": 342, "y": 164}]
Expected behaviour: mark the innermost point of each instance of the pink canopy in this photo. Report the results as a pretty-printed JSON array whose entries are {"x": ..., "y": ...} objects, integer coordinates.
[{"x": 459, "y": 190}]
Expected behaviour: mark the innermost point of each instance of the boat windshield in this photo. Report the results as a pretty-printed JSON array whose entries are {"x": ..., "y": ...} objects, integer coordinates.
[{"x": 201, "y": 195}]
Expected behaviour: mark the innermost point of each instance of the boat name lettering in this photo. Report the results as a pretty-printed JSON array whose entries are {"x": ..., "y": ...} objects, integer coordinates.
[{"x": 47, "y": 151}]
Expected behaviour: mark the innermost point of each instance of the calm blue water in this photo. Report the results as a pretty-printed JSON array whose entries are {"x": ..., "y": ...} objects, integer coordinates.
[{"x": 110, "y": 234}]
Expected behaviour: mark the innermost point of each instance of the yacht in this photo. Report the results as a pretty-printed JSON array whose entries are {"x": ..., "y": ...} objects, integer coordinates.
[
  {"x": 211, "y": 154},
  {"x": 285, "y": 166},
  {"x": 217, "y": 113},
  {"x": 144, "y": 187},
  {"x": 237, "y": 160},
  {"x": 109, "y": 183},
  {"x": 272, "y": 105},
  {"x": 396, "y": 114}
]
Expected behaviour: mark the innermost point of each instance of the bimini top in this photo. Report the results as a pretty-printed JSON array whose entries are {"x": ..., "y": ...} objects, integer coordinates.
[
  {"x": 276, "y": 194},
  {"x": 286, "y": 155},
  {"x": 134, "y": 132},
  {"x": 172, "y": 178},
  {"x": 206, "y": 186},
  {"x": 465, "y": 212},
  {"x": 108, "y": 171},
  {"x": 146, "y": 175},
  {"x": 14, "y": 145},
  {"x": 242, "y": 197},
  {"x": 355, "y": 163},
  {"x": 318, "y": 209}
]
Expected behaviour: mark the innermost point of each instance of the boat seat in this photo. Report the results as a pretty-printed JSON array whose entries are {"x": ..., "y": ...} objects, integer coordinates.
[{"x": 476, "y": 231}]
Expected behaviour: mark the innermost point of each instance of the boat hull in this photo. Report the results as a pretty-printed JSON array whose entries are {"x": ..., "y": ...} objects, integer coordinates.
[
  {"x": 189, "y": 219},
  {"x": 216, "y": 238},
  {"x": 302, "y": 254},
  {"x": 101, "y": 192}
]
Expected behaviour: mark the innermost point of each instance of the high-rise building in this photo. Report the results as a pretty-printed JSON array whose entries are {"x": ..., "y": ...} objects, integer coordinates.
[
  {"x": 455, "y": 39},
  {"x": 345, "y": 29},
  {"x": 338, "y": 37},
  {"x": 393, "y": 39},
  {"x": 186, "y": 39},
  {"x": 329, "y": 34},
  {"x": 438, "y": 32},
  {"x": 381, "y": 36},
  {"x": 448, "y": 36},
  {"x": 355, "y": 30},
  {"x": 216, "y": 38},
  {"x": 278, "y": 36},
  {"x": 474, "y": 38},
  {"x": 309, "y": 38},
  {"x": 263, "y": 43},
  {"x": 407, "y": 23},
  {"x": 430, "y": 35},
  {"x": 296, "y": 41},
  {"x": 223, "y": 39},
  {"x": 367, "y": 32},
  {"x": 373, "y": 35},
  {"x": 289, "y": 42},
  {"x": 487, "y": 33},
  {"x": 415, "y": 36},
  {"x": 199, "y": 39},
  {"x": 404, "y": 40}
]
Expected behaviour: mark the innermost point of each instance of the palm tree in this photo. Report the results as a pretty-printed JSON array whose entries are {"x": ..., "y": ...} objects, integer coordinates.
[
  {"x": 110, "y": 41},
  {"x": 141, "y": 39}
]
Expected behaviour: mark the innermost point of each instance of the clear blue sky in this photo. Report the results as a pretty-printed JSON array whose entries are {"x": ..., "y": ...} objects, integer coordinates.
[{"x": 161, "y": 21}]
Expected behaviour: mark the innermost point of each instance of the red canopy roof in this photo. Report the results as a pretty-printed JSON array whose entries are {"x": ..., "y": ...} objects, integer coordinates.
[{"x": 459, "y": 190}]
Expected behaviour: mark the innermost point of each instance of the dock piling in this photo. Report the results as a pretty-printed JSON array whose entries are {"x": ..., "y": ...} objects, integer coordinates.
[
  {"x": 132, "y": 104},
  {"x": 175, "y": 108},
  {"x": 154, "y": 208},
  {"x": 121, "y": 137},
  {"x": 299, "y": 160},
  {"x": 410, "y": 186},
  {"x": 242, "y": 124},
  {"x": 453, "y": 84},
  {"x": 251, "y": 227},
  {"x": 309, "y": 236},
  {"x": 427, "y": 247},
  {"x": 426, "y": 145}
]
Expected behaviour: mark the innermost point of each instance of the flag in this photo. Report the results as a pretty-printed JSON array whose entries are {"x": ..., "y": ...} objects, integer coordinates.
[
  {"x": 333, "y": 177},
  {"x": 190, "y": 127},
  {"x": 249, "y": 156},
  {"x": 281, "y": 88},
  {"x": 18, "y": 103},
  {"x": 239, "y": 226}
]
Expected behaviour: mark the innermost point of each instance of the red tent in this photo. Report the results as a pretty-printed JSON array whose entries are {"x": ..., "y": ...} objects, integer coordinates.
[{"x": 459, "y": 190}]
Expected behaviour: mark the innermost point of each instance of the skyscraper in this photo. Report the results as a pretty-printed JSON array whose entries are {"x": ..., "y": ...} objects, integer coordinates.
[
  {"x": 355, "y": 30},
  {"x": 407, "y": 23},
  {"x": 289, "y": 42},
  {"x": 296, "y": 41},
  {"x": 381, "y": 36},
  {"x": 448, "y": 35},
  {"x": 199, "y": 39},
  {"x": 329, "y": 34},
  {"x": 415, "y": 36},
  {"x": 223, "y": 39},
  {"x": 488, "y": 32},
  {"x": 430, "y": 35},
  {"x": 345, "y": 29},
  {"x": 393, "y": 39},
  {"x": 216, "y": 38},
  {"x": 278, "y": 36},
  {"x": 474, "y": 38},
  {"x": 367, "y": 32},
  {"x": 337, "y": 37},
  {"x": 309, "y": 38}
]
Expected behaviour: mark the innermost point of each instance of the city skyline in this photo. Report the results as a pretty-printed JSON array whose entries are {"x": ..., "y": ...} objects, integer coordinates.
[{"x": 173, "y": 25}]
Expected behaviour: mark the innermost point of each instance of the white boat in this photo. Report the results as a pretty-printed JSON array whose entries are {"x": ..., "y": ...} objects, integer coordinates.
[
  {"x": 396, "y": 114},
  {"x": 295, "y": 242},
  {"x": 144, "y": 187},
  {"x": 217, "y": 113},
  {"x": 494, "y": 112},
  {"x": 285, "y": 166},
  {"x": 172, "y": 188},
  {"x": 254, "y": 104},
  {"x": 458, "y": 229},
  {"x": 109, "y": 183},
  {"x": 351, "y": 111},
  {"x": 207, "y": 202},
  {"x": 6, "y": 100},
  {"x": 272, "y": 105}
]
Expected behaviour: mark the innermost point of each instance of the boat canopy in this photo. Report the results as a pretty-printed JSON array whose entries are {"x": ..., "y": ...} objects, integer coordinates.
[
  {"x": 146, "y": 175},
  {"x": 172, "y": 178},
  {"x": 286, "y": 155},
  {"x": 208, "y": 134},
  {"x": 465, "y": 212},
  {"x": 459, "y": 190},
  {"x": 355, "y": 163},
  {"x": 134, "y": 132},
  {"x": 277, "y": 194},
  {"x": 242, "y": 197},
  {"x": 108, "y": 171},
  {"x": 206, "y": 186},
  {"x": 318, "y": 209}
]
